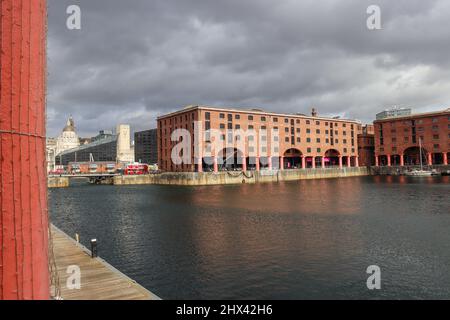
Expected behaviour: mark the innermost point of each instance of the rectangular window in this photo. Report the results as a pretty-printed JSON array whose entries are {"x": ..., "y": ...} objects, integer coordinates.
[
  {"x": 237, "y": 117},
  {"x": 250, "y": 118},
  {"x": 222, "y": 116},
  {"x": 207, "y": 116},
  {"x": 263, "y": 119}
]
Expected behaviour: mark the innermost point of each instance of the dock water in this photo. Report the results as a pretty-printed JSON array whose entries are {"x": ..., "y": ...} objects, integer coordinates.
[{"x": 99, "y": 280}]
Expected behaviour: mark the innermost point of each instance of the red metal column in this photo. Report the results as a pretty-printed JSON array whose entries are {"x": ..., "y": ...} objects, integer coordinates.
[{"x": 23, "y": 187}]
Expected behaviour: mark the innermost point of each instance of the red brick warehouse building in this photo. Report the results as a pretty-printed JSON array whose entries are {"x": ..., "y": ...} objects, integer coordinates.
[
  {"x": 366, "y": 146},
  {"x": 303, "y": 141},
  {"x": 397, "y": 139}
]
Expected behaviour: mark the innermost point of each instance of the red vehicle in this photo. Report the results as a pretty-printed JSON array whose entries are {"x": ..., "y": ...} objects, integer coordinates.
[
  {"x": 57, "y": 172},
  {"x": 136, "y": 169}
]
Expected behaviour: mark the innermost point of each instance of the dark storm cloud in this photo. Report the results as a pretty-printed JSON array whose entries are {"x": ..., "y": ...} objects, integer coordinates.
[{"x": 134, "y": 60}]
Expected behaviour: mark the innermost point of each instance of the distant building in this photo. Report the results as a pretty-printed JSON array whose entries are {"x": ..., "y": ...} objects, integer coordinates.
[
  {"x": 397, "y": 140},
  {"x": 51, "y": 153},
  {"x": 85, "y": 141},
  {"x": 366, "y": 145},
  {"x": 68, "y": 139},
  {"x": 104, "y": 148},
  {"x": 394, "y": 112},
  {"x": 146, "y": 146},
  {"x": 125, "y": 152}
]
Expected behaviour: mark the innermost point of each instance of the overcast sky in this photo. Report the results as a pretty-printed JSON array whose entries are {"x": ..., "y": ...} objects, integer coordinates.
[{"x": 135, "y": 60}]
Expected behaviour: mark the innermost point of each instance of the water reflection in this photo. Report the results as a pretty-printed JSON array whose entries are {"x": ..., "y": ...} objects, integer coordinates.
[{"x": 293, "y": 240}]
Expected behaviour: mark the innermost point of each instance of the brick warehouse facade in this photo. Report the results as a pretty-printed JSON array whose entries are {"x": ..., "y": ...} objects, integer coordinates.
[
  {"x": 397, "y": 139},
  {"x": 366, "y": 146},
  {"x": 303, "y": 141}
]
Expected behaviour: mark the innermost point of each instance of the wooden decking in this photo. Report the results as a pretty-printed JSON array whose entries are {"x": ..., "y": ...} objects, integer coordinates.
[{"x": 99, "y": 280}]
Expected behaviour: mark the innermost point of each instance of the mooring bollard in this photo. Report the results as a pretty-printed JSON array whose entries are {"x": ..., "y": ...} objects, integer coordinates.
[
  {"x": 77, "y": 237},
  {"x": 94, "y": 248}
]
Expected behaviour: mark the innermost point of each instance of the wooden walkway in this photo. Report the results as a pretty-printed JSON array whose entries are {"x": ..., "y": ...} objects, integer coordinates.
[{"x": 99, "y": 280}]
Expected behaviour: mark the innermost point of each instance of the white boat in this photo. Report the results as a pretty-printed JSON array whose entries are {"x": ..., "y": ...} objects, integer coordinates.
[{"x": 421, "y": 172}]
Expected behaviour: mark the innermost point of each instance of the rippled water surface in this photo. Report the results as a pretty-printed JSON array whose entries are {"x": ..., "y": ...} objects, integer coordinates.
[{"x": 298, "y": 240}]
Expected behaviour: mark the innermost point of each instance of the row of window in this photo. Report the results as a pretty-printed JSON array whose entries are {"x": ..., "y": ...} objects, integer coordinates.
[
  {"x": 274, "y": 119},
  {"x": 286, "y": 129},
  {"x": 420, "y": 129},
  {"x": 436, "y": 146},
  {"x": 419, "y": 121}
]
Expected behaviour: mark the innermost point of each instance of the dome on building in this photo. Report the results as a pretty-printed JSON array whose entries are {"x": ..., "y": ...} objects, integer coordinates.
[
  {"x": 68, "y": 139},
  {"x": 70, "y": 126}
]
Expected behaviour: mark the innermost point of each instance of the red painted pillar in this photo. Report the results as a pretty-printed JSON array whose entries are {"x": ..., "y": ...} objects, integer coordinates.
[
  {"x": 281, "y": 163},
  {"x": 402, "y": 160},
  {"x": 356, "y": 161},
  {"x": 388, "y": 160},
  {"x": 23, "y": 188},
  {"x": 269, "y": 162},
  {"x": 340, "y": 162},
  {"x": 349, "y": 161},
  {"x": 244, "y": 164},
  {"x": 303, "y": 162},
  {"x": 323, "y": 162},
  {"x": 257, "y": 163},
  {"x": 313, "y": 162},
  {"x": 376, "y": 161},
  {"x": 445, "y": 158},
  {"x": 430, "y": 159}
]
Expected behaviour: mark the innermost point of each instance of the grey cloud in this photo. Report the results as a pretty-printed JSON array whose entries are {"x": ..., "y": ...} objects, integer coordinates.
[{"x": 134, "y": 60}]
